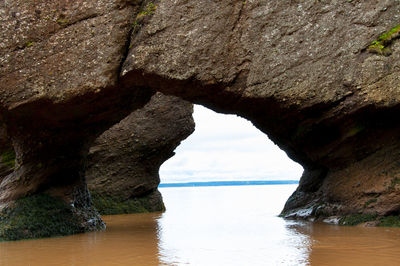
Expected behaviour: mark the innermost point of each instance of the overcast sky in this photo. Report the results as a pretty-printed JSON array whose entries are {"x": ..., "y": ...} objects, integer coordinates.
[{"x": 227, "y": 147}]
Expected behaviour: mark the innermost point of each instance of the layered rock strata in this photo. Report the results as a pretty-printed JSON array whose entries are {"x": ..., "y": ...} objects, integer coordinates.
[{"x": 124, "y": 162}]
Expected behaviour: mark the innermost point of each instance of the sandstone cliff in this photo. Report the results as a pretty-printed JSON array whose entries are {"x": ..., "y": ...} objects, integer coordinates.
[
  {"x": 59, "y": 90},
  {"x": 124, "y": 161},
  {"x": 321, "y": 78}
]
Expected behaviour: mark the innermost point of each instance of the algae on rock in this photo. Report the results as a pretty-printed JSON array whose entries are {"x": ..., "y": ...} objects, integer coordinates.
[
  {"x": 8, "y": 158},
  {"x": 381, "y": 46},
  {"x": 38, "y": 216},
  {"x": 110, "y": 205}
]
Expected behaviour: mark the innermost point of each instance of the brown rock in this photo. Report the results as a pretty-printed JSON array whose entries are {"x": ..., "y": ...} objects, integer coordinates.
[
  {"x": 124, "y": 161},
  {"x": 301, "y": 72},
  {"x": 7, "y": 154},
  {"x": 59, "y": 90}
]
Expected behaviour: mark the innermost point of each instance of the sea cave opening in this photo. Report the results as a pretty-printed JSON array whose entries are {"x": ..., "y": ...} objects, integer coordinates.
[
  {"x": 224, "y": 187},
  {"x": 227, "y": 150}
]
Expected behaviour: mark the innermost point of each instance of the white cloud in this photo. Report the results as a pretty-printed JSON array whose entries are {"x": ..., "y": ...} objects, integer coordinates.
[{"x": 227, "y": 147}]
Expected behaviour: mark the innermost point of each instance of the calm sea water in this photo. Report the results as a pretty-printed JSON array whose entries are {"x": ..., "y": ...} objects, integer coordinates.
[{"x": 213, "y": 226}]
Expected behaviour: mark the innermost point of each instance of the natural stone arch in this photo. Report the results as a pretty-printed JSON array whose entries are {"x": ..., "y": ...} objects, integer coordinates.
[
  {"x": 299, "y": 70},
  {"x": 303, "y": 73}
]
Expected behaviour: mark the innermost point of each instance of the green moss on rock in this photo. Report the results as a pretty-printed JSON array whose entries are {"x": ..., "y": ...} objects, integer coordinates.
[
  {"x": 370, "y": 201},
  {"x": 110, "y": 205},
  {"x": 8, "y": 158},
  {"x": 389, "y": 221},
  {"x": 395, "y": 181},
  {"x": 148, "y": 10},
  {"x": 383, "y": 221},
  {"x": 380, "y": 46},
  {"x": 38, "y": 216},
  {"x": 355, "y": 219}
]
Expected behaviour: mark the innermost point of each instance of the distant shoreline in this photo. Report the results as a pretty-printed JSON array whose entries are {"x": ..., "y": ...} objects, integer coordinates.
[{"x": 229, "y": 183}]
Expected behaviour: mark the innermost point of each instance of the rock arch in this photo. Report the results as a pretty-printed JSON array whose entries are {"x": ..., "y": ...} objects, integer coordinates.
[{"x": 301, "y": 71}]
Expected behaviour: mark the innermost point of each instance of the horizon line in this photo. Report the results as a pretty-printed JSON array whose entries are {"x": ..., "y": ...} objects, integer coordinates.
[{"x": 228, "y": 183}]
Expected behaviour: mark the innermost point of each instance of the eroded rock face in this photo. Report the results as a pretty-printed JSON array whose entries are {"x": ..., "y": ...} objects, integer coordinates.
[
  {"x": 302, "y": 72},
  {"x": 299, "y": 70},
  {"x": 124, "y": 161},
  {"x": 59, "y": 90},
  {"x": 7, "y": 154}
]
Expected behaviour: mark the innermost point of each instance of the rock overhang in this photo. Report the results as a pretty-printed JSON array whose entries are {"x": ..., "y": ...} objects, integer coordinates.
[{"x": 299, "y": 70}]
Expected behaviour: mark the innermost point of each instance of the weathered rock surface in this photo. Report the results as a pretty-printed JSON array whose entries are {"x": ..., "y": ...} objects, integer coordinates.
[
  {"x": 299, "y": 70},
  {"x": 59, "y": 90},
  {"x": 302, "y": 73},
  {"x": 7, "y": 154},
  {"x": 124, "y": 161}
]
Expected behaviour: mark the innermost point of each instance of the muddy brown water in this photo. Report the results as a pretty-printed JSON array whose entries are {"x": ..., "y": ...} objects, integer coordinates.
[{"x": 213, "y": 226}]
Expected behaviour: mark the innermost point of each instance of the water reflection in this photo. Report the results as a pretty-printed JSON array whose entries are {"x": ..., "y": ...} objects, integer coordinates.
[
  {"x": 341, "y": 245},
  {"x": 213, "y": 226},
  {"x": 129, "y": 240},
  {"x": 334, "y": 245},
  {"x": 229, "y": 226}
]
